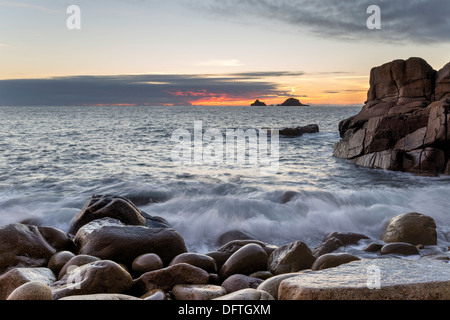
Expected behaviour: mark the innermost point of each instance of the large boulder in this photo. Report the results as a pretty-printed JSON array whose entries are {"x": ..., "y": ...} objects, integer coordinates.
[
  {"x": 17, "y": 277},
  {"x": 92, "y": 278},
  {"x": 109, "y": 239},
  {"x": 291, "y": 258},
  {"x": 404, "y": 123},
  {"x": 413, "y": 228},
  {"x": 115, "y": 207},
  {"x": 248, "y": 259},
  {"x": 167, "y": 278},
  {"x": 372, "y": 279},
  {"x": 30, "y": 246}
]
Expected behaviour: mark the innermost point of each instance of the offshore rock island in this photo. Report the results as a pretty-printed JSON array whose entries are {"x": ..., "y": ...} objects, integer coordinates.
[{"x": 404, "y": 125}]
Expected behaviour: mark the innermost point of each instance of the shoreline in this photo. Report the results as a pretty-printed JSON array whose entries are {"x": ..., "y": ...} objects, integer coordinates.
[{"x": 112, "y": 239}]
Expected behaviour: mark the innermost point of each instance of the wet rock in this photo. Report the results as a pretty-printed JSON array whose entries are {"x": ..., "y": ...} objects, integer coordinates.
[
  {"x": 248, "y": 259},
  {"x": 108, "y": 206},
  {"x": 30, "y": 246},
  {"x": 233, "y": 235},
  {"x": 165, "y": 279},
  {"x": 291, "y": 258},
  {"x": 331, "y": 260},
  {"x": 421, "y": 279},
  {"x": 146, "y": 263},
  {"x": 271, "y": 285},
  {"x": 155, "y": 295},
  {"x": 109, "y": 239},
  {"x": 373, "y": 247},
  {"x": 247, "y": 295},
  {"x": 263, "y": 275},
  {"x": 101, "y": 297},
  {"x": 96, "y": 277},
  {"x": 238, "y": 282},
  {"x": 75, "y": 262},
  {"x": 299, "y": 131},
  {"x": 32, "y": 291},
  {"x": 58, "y": 260},
  {"x": 335, "y": 240},
  {"x": 401, "y": 248},
  {"x": 199, "y": 260},
  {"x": 16, "y": 277},
  {"x": 197, "y": 292},
  {"x": 413, "y": 228}
]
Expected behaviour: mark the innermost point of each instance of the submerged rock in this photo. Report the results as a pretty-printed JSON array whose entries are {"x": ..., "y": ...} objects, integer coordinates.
[{"x": 299, "y": 131}]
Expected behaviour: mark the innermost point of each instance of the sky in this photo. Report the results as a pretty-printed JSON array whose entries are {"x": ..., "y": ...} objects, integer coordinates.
[{"x": 209, "y": 52}]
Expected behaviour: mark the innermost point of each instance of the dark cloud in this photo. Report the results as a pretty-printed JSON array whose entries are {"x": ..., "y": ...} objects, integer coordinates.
[
  {"x": 140, "y": 89},
  {"x": 419, "y": 21}
]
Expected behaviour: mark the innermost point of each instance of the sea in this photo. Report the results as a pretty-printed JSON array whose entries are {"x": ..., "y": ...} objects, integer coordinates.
[{"x": 54, "y": 158}]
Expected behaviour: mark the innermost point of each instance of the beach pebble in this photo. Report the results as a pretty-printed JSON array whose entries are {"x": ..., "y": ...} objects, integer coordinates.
[
  {"x": 247, "y": 295},
  {"x": 248, "y": 259},
  {"x": 101, "y": 297},
  {"x": 271, "y": 285},
  {"x": 92, "y": 278},
  {"x": 75, "y": 262},
  {"x": 16, "y": 277},
  {"x": 146, "y": 263},
  {"x": 413, "y": 228},
  {"x": 238, "y": 282},
  {"x": 263, "y": 275},
  {"x": 197, "y": 292},
  {"x": 373, "y": 247},
  {"x": 32, "y": 291},
  {"x": 165, "y": 279},
  {"x": 291, "y": 258},
  {"x": 157, "y": 295},
  {"x": 199, "y": 260},
  {"x": 58, "y": 260},
  {"x": 110, "y": 239},
  {"x": 331, "y": 260},
  {"x": 405, "y": 249},
  {"x": 115, "y": 207}
]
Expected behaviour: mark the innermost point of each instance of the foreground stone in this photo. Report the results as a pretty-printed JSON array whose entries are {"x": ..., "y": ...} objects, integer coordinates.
[
  {"x": 30, "y": 246},
  {"x": 332, "y": 260},
  {"x": 299, "y": 131},
  {"x": 32, "y": 291},
  {"x": 291, "y": 258},
  {"x": 247, "y": 294},
  {"x": 399, "y": 280},
  {"x": 19, "y": 276},
  {"x": 413, "y": 228},
  {"x": 102, "y": 297},
  {"x": 92, "y": 278},
  {"x": 248, "y": 259},
  {"x": 165, "y": 279},
  {"x": 197, "y": 292},
  {"x": 109, "y": 239}
]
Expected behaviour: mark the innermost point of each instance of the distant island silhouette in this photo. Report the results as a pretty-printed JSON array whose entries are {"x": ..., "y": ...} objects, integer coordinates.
[{"x": 291, "y": 102}]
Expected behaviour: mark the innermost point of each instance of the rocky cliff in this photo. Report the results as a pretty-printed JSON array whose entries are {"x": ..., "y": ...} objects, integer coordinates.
[{"x": 404, "y": 125}]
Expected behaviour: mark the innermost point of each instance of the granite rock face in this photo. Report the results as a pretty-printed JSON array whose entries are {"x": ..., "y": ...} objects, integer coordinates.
[
  {"x": 369, "y": 279},
  {"x": 404, "y": 123}
]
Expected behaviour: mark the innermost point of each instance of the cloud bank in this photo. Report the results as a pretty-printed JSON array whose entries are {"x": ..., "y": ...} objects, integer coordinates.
[
  {"x": 142, "y": 89},
  {"x": 418, "y": 21}
]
